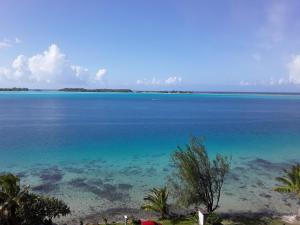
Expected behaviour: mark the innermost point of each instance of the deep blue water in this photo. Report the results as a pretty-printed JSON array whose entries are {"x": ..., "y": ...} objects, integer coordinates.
[
  {"x": 88, "y": 124},
  {"x": 58, "y": 128}
]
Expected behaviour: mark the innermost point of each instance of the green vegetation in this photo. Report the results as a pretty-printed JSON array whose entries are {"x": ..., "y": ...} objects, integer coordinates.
[
  {"x": 41, "y": 210},
  {"x": 290, "y": 182},
  {"x": 157, "y": 201},
  {"x": 213, "y": 219},
  {"x": 241, "y": 220},
  {"x": 14, "y": 89},
  {"x": 168, "y": 92},
  {"x": 94, "y": 90},
  {"x": 197, "y": 179},
  {"x": 259, "y": 220},
  {"x": 11, "y": 197},
  {"x": 20, "y": 207}
]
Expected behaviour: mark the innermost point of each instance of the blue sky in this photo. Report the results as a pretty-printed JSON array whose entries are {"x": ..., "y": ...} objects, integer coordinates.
[{"x": 151, "y": 44}]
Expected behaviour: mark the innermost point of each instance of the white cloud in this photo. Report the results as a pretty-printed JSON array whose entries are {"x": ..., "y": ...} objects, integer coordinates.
[
  {"x": 245, "y": 83},
  {"x": 278, "y": 82},
  {"x": 49, "y": 65},
  {"x": 155, "y": 81},
  {"x": 151, "y": 82},
  {"x": 282, "y": 81},
  {"x": 18, "y": 40},
  {"x": 52, "y": 66},
  {"x": 142, "y": 82},
  {"x": 4, "y": 72},
  {"x": 293, "y": 77},
  {"x": 19, "y": 68},
  {"x": 173, "y": 80},
  {"x": 294, "y": 70},
  {"x": 6, "y": 43},
  {"x": 100, "y": 74},
  {"x": 270, "y": 82},
  {"x": 80, "y": 72}
]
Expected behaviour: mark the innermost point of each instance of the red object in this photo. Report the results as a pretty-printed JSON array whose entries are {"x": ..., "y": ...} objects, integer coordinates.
[{"x": 150, "y": 222}]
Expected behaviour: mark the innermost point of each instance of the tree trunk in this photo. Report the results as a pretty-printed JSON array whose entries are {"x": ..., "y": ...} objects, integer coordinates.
[
  {"x": 162, "y": 215},
  {"x": 12, "y": 219}
]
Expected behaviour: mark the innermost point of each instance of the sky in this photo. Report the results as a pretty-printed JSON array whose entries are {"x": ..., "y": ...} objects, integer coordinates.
[{"x": 213, "y": 45}]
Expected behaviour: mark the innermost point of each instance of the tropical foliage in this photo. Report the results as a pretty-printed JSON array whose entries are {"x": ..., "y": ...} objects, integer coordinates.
[
  {"x": 197, "y": 179},
  {"x": 41, "y": 210},
  {"x": 11, "y": 197},
  {"x": 20, "y": 207},
  {"x": 213, "y": 219},
  {"x": 290, "y": 182},
  {"x": 157, "y": 201}
]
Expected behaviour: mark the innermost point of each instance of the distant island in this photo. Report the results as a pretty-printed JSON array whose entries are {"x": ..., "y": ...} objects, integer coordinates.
[
  {"x": 167, "y": 92},
  {"x": 124, "y": 90},
  {"x": 94, "y": 90},
  {"x": 14, "y": 89}
]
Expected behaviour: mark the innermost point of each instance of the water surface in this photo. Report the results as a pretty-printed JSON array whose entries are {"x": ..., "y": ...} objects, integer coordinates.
[{"x": 104, "y": 150}]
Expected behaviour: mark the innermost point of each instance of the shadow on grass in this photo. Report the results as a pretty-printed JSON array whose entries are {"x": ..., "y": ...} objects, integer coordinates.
[{"x": 265, "y": 218}]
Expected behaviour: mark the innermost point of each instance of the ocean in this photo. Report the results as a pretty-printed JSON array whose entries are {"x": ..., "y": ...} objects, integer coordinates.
[{"x": 100, "y": 151}]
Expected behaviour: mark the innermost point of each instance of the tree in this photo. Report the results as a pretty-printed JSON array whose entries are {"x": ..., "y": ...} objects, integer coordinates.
[
  {"x": 157, "y": 201},
  {"x": 19, "y": 206},
  {"x": 197, "y": 179},
  {"x": 11, "y": 197},
  {"x": 41, "y": 210},
  {"x": 290, "y": 182}
]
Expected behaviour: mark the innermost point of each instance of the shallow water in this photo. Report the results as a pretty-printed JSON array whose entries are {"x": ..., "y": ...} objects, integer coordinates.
[{"x": 104, "y": 150}]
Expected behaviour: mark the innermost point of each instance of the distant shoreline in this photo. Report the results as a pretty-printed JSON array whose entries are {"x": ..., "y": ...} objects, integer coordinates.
[
  {"x": 221, "y": 92},
  {"x": 14, "y": 89},
  {"x": 106, "y": 90},
  {"x": 94, "y": 90}
]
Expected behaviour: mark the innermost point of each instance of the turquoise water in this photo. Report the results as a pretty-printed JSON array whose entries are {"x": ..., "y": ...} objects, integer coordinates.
[{"x": 66, "y": 144}]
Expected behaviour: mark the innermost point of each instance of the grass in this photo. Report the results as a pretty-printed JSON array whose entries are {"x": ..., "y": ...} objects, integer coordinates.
[
  {"x": 236, "y": 221},
  {"x": 257, "y": 221},
  {"x": 185, "y": 221}
]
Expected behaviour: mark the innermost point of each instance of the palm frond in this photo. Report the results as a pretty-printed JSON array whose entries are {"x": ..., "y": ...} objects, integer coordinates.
[
  {"x": 290, "y": 182},
  {"x": 284, "y": 180},
  {"x": 283, "y": 189},
  {"x": 156, "y": 200}
]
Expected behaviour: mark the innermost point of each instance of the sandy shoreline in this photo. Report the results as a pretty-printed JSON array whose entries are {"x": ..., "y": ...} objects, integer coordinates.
[{"x": 93, "y": 188}]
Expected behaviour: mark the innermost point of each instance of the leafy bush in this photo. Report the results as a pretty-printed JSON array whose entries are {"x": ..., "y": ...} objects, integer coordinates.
[
  {"x": 290, "y": 183},
  {"x": 213, "y": 219},
  {"x": 41, "y": 210},
  {"x": 197, "y": 179},
  {"x": 104, "y": 219},
  {"x": 157, "y": 201},
  {"x": 20, "y": 207}
]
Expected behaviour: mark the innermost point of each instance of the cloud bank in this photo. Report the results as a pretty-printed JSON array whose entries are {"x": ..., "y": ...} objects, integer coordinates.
[
  {"x": 172, "y": 80},
  {"x": 6, "y": 43},
  {"x": 294, "y": 70},
  {"x": 49, "y": 67},
  {"x": 292, "y": 77}
]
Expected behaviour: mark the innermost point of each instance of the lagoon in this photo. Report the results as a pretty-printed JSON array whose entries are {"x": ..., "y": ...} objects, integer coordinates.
[{"x": 105, "y": 150}]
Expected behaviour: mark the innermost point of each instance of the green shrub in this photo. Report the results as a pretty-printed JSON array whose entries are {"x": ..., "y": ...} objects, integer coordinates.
[
  {"x": 197, "y": 179},
  {"x": 213, "y": 219},
  {"x": 41, "y": 210},
  {"x": 19, "y": 206}
]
